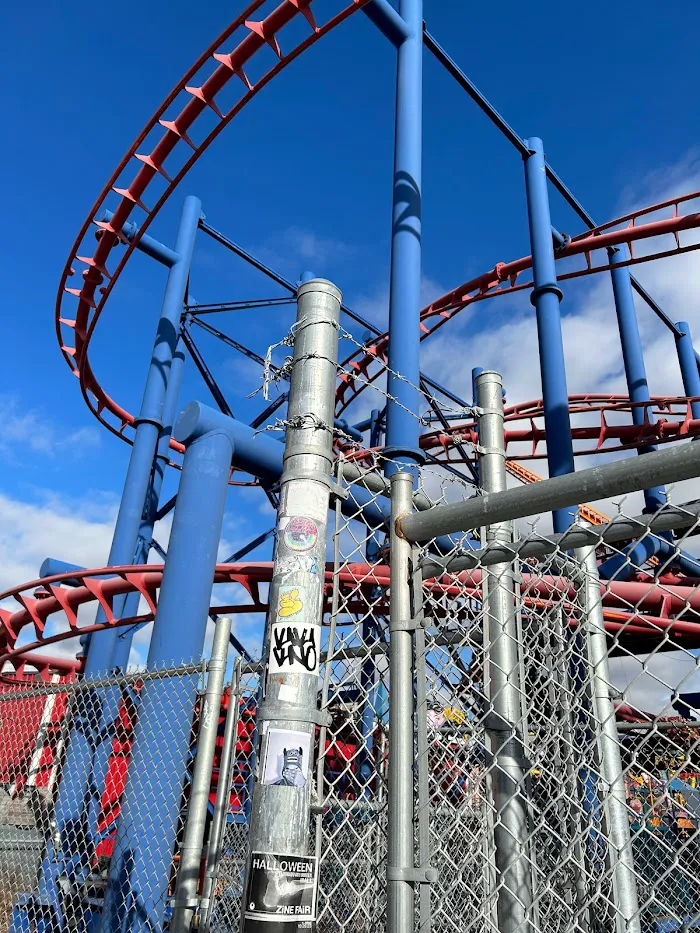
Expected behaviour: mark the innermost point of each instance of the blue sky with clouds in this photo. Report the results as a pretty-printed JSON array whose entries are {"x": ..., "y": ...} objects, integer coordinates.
[{"x": 302, "y": 179}]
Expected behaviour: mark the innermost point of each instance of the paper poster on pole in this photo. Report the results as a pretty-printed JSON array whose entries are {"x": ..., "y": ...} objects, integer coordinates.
[
  {"x": 287, "y": 755},
  {"x": 281, "y": 894}
]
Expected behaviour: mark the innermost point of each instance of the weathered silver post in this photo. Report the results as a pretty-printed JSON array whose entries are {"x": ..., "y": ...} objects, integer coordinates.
[
  {"x": 627, "y": 915},
  {"x": 191, "y": 851},
  {"x": 217, "y": 830},
  {"x": 503, "y": 721},
  {"x": 289, "y": 714},
  {"x": 400, "y": 857}
]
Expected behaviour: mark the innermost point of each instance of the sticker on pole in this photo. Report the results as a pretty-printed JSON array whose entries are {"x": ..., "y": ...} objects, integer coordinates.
[
  {"x": 280, "y": 894},
  {"x": 294, "y": 648},
  {"x": 291, "y": 603},
  {"x": 299, "y": 533},
  {"x": 287, "y": 756}
]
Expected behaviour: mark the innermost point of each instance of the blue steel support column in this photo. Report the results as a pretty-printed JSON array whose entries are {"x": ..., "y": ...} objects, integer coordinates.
[
  {"x": 149, "y": 423},
  {"x": 70, "y": 812},
  {"x": 633, "y": 358},
  {"x": 127, "y": 607},
  {"x": 546, "y": 296},
  {"x": 404, "y": 286},
  {"x": 689, "y": 367},
  {"x": 141, "y": 864}
]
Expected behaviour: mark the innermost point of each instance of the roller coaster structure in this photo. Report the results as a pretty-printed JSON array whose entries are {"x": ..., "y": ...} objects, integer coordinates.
[{"x": 147, "y": 175}]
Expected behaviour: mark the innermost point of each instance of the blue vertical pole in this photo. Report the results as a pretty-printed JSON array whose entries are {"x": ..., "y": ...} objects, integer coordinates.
[
  {"x": 405, "y": 274},
  {"x": 546, "y": 296},
  {"x": 70, "y": 857},
  {"x": 633, "y": 358},
  {"x": 126, "y": 607},
  {"x": 143, "y": 851},
  {"x": 689, "y": 366},
  {"x": 149, "y": 423}
]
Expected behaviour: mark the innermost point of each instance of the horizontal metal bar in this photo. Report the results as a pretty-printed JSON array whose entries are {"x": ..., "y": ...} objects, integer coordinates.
[
  {"x": 147, "y": 244},
  {"x": 610, "y": 479},
  {"x": 663, "y": 725},
  {"x": 94, "y": 682},
  {"x": 670, "y": 517}
]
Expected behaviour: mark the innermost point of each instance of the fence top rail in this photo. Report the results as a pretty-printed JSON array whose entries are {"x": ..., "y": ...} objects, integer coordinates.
[
  {"x": 609, "y": 479},
  {"x": 115, "y": 680},
  {"x": 621, "y": 528}
]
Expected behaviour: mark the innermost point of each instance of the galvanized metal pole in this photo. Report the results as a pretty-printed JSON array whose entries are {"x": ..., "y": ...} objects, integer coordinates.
[
  {"x": 400, "y": 858},
  {"x": 503, "y": 722},
  {"x": 281, "y": 810},
  {"x": 217, "y": 829},
  {"x": 191, "y": 849},
  {"x": 626, "y": 902}
]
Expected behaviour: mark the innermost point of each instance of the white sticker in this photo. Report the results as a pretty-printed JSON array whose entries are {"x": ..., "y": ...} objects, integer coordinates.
[
  {"x": 287, "y": 693},
  {"x": 287, "y": 758},
  {"x": 294, "y": 648}
]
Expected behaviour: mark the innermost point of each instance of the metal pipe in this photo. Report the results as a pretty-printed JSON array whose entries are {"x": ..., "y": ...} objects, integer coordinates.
[
  {"x": 502, "y": 654},
  {"x": 281, "y": 810},
  {"x": 76, "y": 779},
  {"x": 609, "y": 479},
  {"x": 402, "y": 427},
  {"x": 186, "y": 899},
  {"x": 147, "y": 244},
  {"x": 633, "y": 358},
  {"x": 150, "y": 421},
  {"x": 422, "y": 748},
  {"x": 626, "y": 903},
  {"x": 387, "y": 20},
  {"x": 400, "y": 857},
  {"x": 620, "y": 529},
  {"x": 688, "y": 365},
  {"x": 546, "y": 296},
  {"x": 141, "y": 864},
  {"x": 217, "y": 830}
]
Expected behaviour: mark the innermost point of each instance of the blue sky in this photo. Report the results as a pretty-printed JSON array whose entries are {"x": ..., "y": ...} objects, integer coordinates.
[{"x": 302, "y": 179}]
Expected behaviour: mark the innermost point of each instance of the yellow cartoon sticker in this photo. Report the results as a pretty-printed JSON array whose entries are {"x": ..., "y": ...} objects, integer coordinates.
[{"x": 291, "y": 601}]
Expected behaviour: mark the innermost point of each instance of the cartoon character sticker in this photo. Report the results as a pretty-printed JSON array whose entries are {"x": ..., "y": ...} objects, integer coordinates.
[
  {"x": 291, "y": 602},
  {"x": 286, "y": 758},
  {"x": 300, "y": 533},
  {"x": 298, "y": 563}
]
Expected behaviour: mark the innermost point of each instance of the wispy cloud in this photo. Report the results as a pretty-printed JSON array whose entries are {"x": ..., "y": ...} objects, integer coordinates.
[{"x": 30, "y": 430}]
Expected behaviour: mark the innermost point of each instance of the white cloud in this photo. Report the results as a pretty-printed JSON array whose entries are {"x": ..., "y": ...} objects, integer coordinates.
[{"x": 29, "y": 430}]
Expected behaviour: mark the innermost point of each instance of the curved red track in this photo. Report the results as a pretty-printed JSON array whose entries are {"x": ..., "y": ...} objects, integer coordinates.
[
  {"x": 153, "y": 166},
  {"x": 641, "y": 612}
]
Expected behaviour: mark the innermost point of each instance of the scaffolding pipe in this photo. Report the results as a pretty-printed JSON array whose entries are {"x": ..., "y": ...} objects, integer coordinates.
[
  {"x": 689, "y": 366},
  {"x": 627, "y": 916},
  {"x": 503, "y": 722}
]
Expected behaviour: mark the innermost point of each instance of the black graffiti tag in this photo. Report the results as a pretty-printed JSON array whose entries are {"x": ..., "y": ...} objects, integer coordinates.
[{"x": 291, "y": 645}]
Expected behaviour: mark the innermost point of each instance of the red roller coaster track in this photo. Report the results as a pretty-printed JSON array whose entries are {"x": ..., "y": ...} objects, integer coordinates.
[{"x": 170, "y": 148}]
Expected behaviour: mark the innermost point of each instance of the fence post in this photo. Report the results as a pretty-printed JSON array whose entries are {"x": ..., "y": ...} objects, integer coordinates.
[
  {"x": 217, "y": 829},
  {"x": 626, "y": 903},
  {"x": 503, "y": 722},
  {"x": 400, "y": 858},
  {"x": 289, "y": 714},
  {"x": 191, "y": 850}
]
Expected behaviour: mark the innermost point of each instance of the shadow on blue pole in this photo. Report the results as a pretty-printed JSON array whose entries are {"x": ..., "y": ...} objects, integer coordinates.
[{"x": 141, "y": 864}]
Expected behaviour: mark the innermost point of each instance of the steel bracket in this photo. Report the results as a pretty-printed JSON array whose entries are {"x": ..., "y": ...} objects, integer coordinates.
[
  {"x": 318, "y": 477},
  {"x": 279, "y": 713},
  {"x": 408, "y": 625},
  {"x": 425, "y": 874}
]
